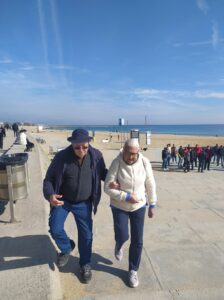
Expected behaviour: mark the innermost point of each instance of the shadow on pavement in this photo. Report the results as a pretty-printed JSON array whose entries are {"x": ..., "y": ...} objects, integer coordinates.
[
  {"x": 26, "y": 251},
  {"x": 157, "y": 166},
  {"x": 99, "y": 263}
]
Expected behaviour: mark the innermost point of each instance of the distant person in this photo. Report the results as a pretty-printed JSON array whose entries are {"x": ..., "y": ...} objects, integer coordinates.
[
  {"x": 192, "y": 157},
  {"x": 130, "y": 184},
  {"x": 220, "y": 156},
  {"x": 208, "y": 156},
  {"x": 3, "y": 131},
  {"x": 164, "y": 159},
  {"x": 15, "y": 129},
  {"x": 215, "y": 153},
  {"x": 180, "y": 154},
  {"x": 186, "y": 165},
  {"x": 23, "y": 140},
  {"x": 29, "y": 145},
  {"x": 173, "y": 154},
  {"x": 168, "y": 154},
  {"x": 6, "y": 126},
  {"x": 197, "y": 151},
  {"x": 73, "y": 184},
  {"x": 93, "y": 135},
  {"x": 22, "y": 137},
  {"x": 201, "y": 159},
  {"x": 1, "y": 137}
]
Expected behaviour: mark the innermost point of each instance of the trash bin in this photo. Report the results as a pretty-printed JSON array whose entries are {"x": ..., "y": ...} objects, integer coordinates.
[
  {"x": 135, "y": 134},
  {"x": 13, "y": 176},
  {"x": 148, "y": 137}
]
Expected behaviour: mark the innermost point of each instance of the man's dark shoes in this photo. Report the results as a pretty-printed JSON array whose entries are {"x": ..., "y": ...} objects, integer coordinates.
[
  {"x": 86, "y": 273},
  {"x": 72, "y": 245},
  {"x": 63, "y": 258}
]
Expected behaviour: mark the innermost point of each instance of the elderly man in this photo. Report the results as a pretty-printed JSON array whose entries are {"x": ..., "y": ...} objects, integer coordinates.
[
  {"x": 130, "y": 184},
  {"x": 73, "y": 184}
]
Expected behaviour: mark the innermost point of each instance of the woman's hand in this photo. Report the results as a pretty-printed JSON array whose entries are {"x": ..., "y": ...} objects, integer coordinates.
[
  {"x": 151, "y": 212},
  {"x": 133, "y": 199}
]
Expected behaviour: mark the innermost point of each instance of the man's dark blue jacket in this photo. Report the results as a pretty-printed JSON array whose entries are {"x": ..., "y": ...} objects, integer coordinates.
[{"x": 53, "y": 179}]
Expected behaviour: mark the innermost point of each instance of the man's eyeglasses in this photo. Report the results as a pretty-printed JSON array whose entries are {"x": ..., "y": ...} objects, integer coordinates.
[
  {"x": 131, "y": 153},
  {"x": 81, "y": 147}
]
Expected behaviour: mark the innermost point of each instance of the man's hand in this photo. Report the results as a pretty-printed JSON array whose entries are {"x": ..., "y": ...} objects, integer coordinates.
[
  {"x": 54, "y": 200},
  {"x": 151, "y": 212},
  {"x": 114, "y": 185}
]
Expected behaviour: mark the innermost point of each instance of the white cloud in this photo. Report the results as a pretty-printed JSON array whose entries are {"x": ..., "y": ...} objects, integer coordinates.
[
  {"x": 71, "y": 68},
  {"x": 43, "y": 31},
  {"x": 209, "y": 95},
  {"x": 43, "y": 102},
  {"x": 215, "y": 83},
  {"x": 56, "y": 31},
  {"x": 178, "y": 45},
  {"x": 200, "y": 43},
  {"x": 6, "y": 61},
  {"x": 150, "y": 92},
  {"x": 57, "y": 39},
  {"x": 177, "y": 96},
  {"x": 27, "y": 68},
  {"x": 215, "y": 38},
  {"x": 215, "y": 35},
  {"x": 214, "y": 41},
  {"x": 44, "y": 39},
  {"x": 203, "y": 6}
]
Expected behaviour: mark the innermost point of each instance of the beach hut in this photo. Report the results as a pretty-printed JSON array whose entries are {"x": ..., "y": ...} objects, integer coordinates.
[{"x": 39, "y": 128}]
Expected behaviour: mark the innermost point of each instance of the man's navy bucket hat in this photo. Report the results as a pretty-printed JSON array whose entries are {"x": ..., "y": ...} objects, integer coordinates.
[{"x": 79, "y": 136}]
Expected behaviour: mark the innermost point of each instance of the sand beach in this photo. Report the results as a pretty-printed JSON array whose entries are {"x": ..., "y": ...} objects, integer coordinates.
[{"x": 57, "y": 139}]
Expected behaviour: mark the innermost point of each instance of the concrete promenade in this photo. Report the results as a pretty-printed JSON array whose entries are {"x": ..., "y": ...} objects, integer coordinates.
[
  {"x": 27, "y": 255},
  {"x": 182, "y": 259}
]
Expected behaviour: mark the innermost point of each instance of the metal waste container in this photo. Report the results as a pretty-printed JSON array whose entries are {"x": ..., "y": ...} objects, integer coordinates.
[
  {"x": 148, "y": 137},
  {"x": 17, "y": 162},
  {"x": 13, "y": 178},
  {"x": 135, "y": 134}
]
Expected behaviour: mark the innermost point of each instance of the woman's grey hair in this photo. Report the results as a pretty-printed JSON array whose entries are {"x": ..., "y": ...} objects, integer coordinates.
[{"x": 132, "y": 143}]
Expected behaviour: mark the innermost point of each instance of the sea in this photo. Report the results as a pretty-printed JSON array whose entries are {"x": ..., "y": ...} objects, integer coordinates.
[{"x": 201, "y": 130}]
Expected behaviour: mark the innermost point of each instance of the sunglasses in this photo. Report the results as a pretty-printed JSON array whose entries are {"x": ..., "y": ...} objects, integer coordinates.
[{"x": 81, "y": 147}]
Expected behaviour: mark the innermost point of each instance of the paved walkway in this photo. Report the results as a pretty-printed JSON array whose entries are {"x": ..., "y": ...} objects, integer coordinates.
[
  {"x": 27, "y": 255},
  {"x": 183, "y": 255}
]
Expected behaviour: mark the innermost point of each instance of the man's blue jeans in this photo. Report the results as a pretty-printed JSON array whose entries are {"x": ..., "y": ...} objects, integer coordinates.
[
  {"x": 219, "y": 158},
  {"x": 136, "y": 218},
  {"x": 82, "y": 213},
  {"x": 180, "y": 162},
  {"x": 164, "y": 164}
]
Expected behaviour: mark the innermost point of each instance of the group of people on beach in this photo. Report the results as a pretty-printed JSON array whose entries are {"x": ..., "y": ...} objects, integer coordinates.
[
  {"x": 19, "y": 134},
  {"x": 73, "y": 184},
  {"x": 188, "y": 158},
  {"x": 4, "y": 128}
]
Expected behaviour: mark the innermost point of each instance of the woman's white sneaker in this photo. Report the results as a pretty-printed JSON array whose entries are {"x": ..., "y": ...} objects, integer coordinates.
[{"x": 133, "y": 278}]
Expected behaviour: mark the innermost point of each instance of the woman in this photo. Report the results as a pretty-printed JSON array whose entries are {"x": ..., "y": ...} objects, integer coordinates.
[
  {"x": 130, "y": 184},
  {"x": 22, "y": 137}
]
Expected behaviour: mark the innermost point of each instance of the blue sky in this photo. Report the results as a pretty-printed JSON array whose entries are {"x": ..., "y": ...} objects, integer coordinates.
[{"x": 93, "y": 61}]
